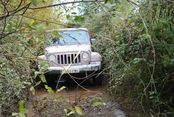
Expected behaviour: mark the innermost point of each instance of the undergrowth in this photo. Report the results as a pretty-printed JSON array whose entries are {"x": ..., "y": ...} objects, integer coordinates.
[{"x": 136, "y": 42}]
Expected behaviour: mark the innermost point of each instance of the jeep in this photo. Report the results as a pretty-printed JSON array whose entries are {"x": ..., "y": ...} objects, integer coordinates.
[{"x": 71, "y": 53}]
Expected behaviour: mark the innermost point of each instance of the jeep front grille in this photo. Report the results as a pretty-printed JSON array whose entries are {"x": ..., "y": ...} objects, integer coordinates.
[{"x": 68, "y": 59}]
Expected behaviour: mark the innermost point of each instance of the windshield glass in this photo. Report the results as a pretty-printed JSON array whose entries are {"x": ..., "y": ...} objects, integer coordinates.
[{"x": 71, "y": 37}]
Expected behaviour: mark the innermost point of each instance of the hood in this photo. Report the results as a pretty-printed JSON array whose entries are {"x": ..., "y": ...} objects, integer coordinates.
[{"x": 68, "y": 48}]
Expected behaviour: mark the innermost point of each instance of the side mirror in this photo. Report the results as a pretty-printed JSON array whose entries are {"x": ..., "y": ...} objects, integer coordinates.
[{"x": 93, "y": 40}]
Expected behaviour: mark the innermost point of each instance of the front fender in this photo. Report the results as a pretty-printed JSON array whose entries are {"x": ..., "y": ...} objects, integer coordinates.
[{"x": 96, "y": 57}]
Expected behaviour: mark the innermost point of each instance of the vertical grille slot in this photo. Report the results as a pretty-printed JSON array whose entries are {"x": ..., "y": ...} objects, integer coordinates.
[
  {"x": 69, "y": 58},
  {"x": 72, "y": 58},
  {"x": 75, "y": 58},
  {"x": 79, "y": 59},
  {"x": 61, "y": 62},
  {"x": 66, "y": 59}
]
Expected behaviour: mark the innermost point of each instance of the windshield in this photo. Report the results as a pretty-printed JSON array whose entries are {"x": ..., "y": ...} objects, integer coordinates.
[{"x": 71, "y": 37}]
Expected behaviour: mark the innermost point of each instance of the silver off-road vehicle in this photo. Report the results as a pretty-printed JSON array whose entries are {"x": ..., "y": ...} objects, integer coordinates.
[{"x": 71, "y": 53}]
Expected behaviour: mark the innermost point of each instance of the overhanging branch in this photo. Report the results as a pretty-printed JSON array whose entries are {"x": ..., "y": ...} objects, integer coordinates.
[
  {"x": 15, "y": 11},
  {"x": 64, "y": 3}
]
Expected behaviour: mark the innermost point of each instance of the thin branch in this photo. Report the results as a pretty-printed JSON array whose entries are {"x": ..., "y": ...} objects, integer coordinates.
[
  {"x": 4, "y": 35},
  {"x": 2, "y": 75},
  {"x": 132, "y": 2},
  {"x": 5, "y": 20},
  {"x": 64, "y": 3},
  {"x": 170, "y": 1},
  {"x": 20, "y": 21},
  {"x": 16, "y": 11},
  {"x": 4, "y": 26},
  {"x": 19, "y": 5},
  {"x": 42, "y": 20}
]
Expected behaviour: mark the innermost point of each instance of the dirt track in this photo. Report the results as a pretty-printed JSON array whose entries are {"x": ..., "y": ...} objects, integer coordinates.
[{"x": 90, "y": 99}]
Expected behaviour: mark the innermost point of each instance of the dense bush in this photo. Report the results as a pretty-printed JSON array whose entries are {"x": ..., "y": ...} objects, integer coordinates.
[
  {"x": 137, "y": 47},
  {"x": 14, "y": 74},
  {"x": 21, "y": 36},
  {"x": 17, "y": 51}
]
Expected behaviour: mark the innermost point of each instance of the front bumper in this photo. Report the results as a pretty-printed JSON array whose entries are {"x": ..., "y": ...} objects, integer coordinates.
[{"x": 93, "y": 66}]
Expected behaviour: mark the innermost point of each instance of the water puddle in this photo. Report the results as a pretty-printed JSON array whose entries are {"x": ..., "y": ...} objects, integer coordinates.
[
  {"x": 70, "y": 93},
  {"x": 86, "y": 98}
]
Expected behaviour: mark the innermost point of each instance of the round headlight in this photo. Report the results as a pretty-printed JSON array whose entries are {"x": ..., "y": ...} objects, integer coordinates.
[
  {"x": 52, "y": 57},
  {"x": 85, "y": 55}
]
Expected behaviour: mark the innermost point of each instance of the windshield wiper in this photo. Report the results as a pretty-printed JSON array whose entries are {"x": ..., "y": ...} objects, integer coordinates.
[{"x": 73, "y": 38}]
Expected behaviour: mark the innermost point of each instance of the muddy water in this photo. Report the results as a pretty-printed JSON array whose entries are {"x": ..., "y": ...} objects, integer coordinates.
[
  {"x": 71, "y": 93},
  {"x": 72, "y": 96}
]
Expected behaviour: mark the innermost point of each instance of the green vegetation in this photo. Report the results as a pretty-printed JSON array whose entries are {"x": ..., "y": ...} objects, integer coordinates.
[
  {"x": 136, "y": 40},
  {"x": 21, "y": 38}
]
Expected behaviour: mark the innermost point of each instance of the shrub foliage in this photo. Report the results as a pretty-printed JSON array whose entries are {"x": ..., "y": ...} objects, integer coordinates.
[{"x": 136, "y": 41}]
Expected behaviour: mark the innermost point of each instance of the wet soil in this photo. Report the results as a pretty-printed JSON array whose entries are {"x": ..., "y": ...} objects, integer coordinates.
[
  {"x": 73, "y": 101},
  {"x": 70, "y": 93}
]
